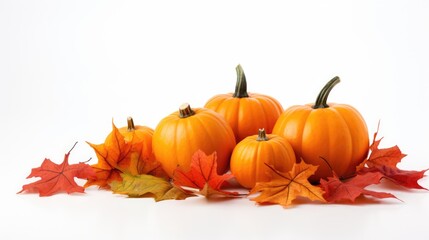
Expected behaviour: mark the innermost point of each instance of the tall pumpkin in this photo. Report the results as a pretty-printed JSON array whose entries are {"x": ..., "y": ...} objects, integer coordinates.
[
  {"x": 179, "y": 135},
  {"x": 331, "y": 136},
  {"x": 246, "y": 112}
]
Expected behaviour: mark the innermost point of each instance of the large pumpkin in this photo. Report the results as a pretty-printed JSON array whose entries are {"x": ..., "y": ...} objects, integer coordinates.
[
  {"x": 246, "y": 112},
  {"x": 179, "y": 135},
  {"x": 250, "y": 156},
  {"x": 331, "y": 136}
]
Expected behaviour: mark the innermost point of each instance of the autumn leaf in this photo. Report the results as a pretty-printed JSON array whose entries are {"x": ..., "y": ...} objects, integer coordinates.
[
  {"x": 203, "y": 176},
  {"x": 339, "y": 191},
  {"x": 385, "y": 161},
  {"x": 405, "y": 178},
  {"x": 284, "y": 188},
  {"x": 120, "y": 155},
  {"x": 383, "y": 156},
  {"x": 58, "y": 177},
  {"x": 147, "y": 186}
]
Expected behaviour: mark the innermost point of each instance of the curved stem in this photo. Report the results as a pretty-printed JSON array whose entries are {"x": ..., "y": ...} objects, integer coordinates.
[
  {"x": 185, "y": 110},
  {"x": 130, "y": 123},
  {"x": 322, "y": 98},
  {"x": 241, "y": 85},
  {"x": 262, "y": 136}
]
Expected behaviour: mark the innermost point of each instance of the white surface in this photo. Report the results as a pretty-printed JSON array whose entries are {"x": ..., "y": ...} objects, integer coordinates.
[{"x": 68, "y": 67}]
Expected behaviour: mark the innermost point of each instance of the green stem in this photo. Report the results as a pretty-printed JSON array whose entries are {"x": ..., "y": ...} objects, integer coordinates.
[
  {"x": 262, "y": 136},
  {"x": 322, "y": 98},
  {"x": 185, "y": 110},
  {"x": 130, "y": 123},
  {"x": 241, "y": 85}
]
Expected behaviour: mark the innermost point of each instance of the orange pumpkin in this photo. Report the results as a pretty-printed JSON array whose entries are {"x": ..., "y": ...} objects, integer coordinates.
[
  {"x": 179, "y": 135},
  {"x": 331, "y": 136},
  {"x": 246, "y": 112},
  {"x": 141, "y": 139},
  {"x": 252, "y": 153}
]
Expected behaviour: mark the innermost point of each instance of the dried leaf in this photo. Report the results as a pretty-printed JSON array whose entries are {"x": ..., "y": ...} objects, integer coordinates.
[
  {"x": 338, "y": 191},
  {"x": 58, "y": 177},
  {"x": 286, "y": 187},
  {"x": 203, "y": 176},
  {"x": 147, "y": 186}
]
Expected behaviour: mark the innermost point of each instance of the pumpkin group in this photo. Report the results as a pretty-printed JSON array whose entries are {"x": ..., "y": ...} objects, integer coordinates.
[
  {"x": 251, "y": 155},
  {"x": 246, "y": 112},
  {"x": 179, "y": 135},
  {"x": 332, "y": 136}
]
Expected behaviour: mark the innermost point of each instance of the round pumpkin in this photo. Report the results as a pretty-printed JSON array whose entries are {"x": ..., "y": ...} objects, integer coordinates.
[
  {"x": 250, "y": 156},
  {"x": 331, "y": 136},
  {"x": 246, "y": 112},
  {"x": 140, "y": 138},
  {"x": 179, "y": 135}
]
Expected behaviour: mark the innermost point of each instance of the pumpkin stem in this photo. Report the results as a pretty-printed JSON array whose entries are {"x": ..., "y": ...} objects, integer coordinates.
[
  {"x": 241, "y": 85},
  {"x": 322, "y": 98},
  {"x": 262, "y": 136},
  {"x": 130, "y": 123},
  {"x": 185, "y": 110}
]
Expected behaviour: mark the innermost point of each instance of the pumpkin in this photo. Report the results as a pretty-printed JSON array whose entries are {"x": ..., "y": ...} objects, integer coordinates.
[
  {"x": 246, "y": 112},
  {"x": 141, "y": 139},
  {"x": 179, "y": 135},
  {"x": 250, "y": 156},
  {"x": 331, "y": 136}
]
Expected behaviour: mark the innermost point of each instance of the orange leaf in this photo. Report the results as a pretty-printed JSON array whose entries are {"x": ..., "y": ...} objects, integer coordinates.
[
  {"x": 338, "y": 191},
  {"x": 120, "y": 155},
  {"x": 286, "y": 187},
  {"x": 203, "y": 176},
  {"x": 58, "y": 177}
]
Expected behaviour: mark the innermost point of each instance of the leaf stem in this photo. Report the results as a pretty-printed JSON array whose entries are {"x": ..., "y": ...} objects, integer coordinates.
[{"x": 74, "y": 145}]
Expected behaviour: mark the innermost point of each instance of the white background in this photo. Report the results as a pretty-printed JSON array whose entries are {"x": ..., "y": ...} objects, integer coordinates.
[{"x": 67, "y": 68}]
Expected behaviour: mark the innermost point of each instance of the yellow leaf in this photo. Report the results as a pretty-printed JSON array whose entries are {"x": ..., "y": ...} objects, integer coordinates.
[{"x": 147, "y": 186}]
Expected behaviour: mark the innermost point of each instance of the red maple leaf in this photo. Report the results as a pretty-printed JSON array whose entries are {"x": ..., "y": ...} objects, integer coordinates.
[
  {"x": 339, "y": 191},
  {"x": 58, "y": 177},
  {"x": 405, "y": 178},
  {"x": 385, "y": 161},
  {"x": 203, "y": 176}
]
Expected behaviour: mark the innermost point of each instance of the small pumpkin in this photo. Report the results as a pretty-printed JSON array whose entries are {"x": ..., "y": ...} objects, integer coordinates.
[
  {"x": 331, "y": 136},
  {"x": 179, "y": 135},
  {"x": 252, "y": 153},
  {"x": 246, "y": 112},
  {"x": 141, "y": 139}
]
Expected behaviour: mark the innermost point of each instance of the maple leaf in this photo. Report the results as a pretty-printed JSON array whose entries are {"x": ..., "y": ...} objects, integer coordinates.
[
  {"x": 58, "y": 177},
  {"x": 385, "y": 161},
  {"x": 118, "y": 155},
  {"x": 383, "y": 156},
  {"x": 286, "y": 187},
  {"x": 148, "y": 186},
  {"x": 203, "y": 176},
  {"x": 405, "y": 178},
  {"x": 338, "y": 191}
]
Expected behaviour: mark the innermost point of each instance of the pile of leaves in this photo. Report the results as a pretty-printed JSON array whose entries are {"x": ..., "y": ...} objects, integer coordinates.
[{"x": 114, "y": 172}]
